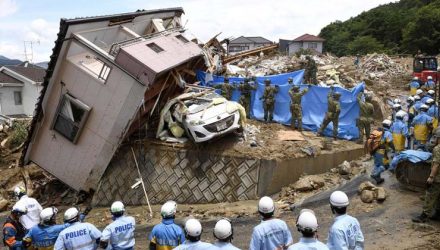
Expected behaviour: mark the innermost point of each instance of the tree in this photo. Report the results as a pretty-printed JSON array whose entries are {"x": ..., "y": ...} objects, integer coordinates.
[{"x": 364, "y": 45}]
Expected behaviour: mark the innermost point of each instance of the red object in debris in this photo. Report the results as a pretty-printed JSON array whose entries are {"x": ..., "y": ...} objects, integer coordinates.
[{"x": 424, "y": 66}]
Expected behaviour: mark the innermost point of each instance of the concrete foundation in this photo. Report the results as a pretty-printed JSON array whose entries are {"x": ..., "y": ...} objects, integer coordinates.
[{"x": 195, "y": 176}]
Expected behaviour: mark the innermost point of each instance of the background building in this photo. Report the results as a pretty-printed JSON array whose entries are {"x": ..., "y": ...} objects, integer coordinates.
[
  {"x": 305, "y": 41},
  {"x": 247, "y": 43}
]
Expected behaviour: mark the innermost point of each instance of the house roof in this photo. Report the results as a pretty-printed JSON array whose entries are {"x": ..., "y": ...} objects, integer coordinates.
[
  {"x": 250, "y": 39},
  {"x": 5, "y": 78},
  {"x": 308, "y": 38},
  {"x": 29, "y": 71}
]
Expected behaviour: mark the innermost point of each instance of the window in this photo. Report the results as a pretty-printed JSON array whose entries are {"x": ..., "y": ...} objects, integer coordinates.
[
  {"x": 182, "y": 39},
  {"x": 105, "y": 70},
  {"x": 17, "y": 98},
  {"x": 70, "y": 117},
  {"x": 155, "y": 47},
  {"x": 313, "y": 45}
]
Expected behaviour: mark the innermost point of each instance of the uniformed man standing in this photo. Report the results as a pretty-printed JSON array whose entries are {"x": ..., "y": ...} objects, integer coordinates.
[
  {"x": 32, "y": 217},
  {"x": 307, "y": 224},
  {"x": 333, "y": 111},
  {"x": 432, "y": 195},
  {"x": 193, "y": 233},
  {"x": 226, "y": 88},
  {"x": 311, "y": 69},
  {"x": 295, "y": 106},
  {"x": 167, "y": 235},
  {"x": 269, "y": 100},
  {"x": 120, "y": 233},
  {"x": 245, "y": 99},
  {"x": 366, "y": 112},
  {"x": 223, "y": 232}
]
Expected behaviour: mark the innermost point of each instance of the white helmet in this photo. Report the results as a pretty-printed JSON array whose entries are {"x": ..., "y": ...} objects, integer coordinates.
[
  {"x": 429, "y": 77},
  {"x": 419, "y": 91},
  {"x": 386, "y": 123},
  {"x": 429, "y": 101},
  {"x": 223, "y": 229},
  {"x": 19, "y": 191},
  {"x": 397, "y": 106},
  {"x": 117, "y": 207},
  {"x": 401, "y": 114},
  {"x": 424, "y": 106},
  {"x": 48, "y": 214},
  {"x": 417, "y": 97},
  {"x": 266, "y": 205},
  {"x": 71, "y": 214},
  {"x": 168, "y": 209},
  {"x": 193, "y": 227},
  {"x": 431, "y": 92},
  {"x": 397, "y": 100},
  {"x": 415, "y": 78},
  {"x": 19, "y": 208},
  {"x": 410, "y": 99},
  {"x": 339, "y": 199},
  {"x": 307, "y": 221}
]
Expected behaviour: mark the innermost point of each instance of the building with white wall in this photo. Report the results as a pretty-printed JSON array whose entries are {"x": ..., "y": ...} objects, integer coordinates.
[{"x": 306, "y": 42}]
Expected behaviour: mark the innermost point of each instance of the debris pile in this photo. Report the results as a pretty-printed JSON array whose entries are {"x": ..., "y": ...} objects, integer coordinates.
[
  {"x": 269, "y": 65},
  {"x": 380, "y": 66},
  {"x": 370, "y": 192}
]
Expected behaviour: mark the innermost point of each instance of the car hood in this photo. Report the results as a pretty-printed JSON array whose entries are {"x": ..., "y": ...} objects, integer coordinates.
[{"x": 213, "y": 111}]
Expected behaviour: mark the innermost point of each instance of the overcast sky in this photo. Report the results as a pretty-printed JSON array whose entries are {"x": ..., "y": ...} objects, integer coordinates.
[{"x": 38, "y": 20}]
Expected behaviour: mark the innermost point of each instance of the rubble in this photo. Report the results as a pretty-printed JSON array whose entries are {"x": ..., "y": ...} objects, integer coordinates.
[
  {"x": 370, "y": 192},
  {"x": 367, "y": 196},
  {"x": 308, "y": 183},
  {"x": 344, "y": 168}
]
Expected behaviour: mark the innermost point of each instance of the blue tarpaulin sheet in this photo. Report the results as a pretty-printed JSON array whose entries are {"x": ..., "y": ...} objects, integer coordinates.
[
  {"x": 314, "y": 103},
  {"x": 413, "y": 156}
]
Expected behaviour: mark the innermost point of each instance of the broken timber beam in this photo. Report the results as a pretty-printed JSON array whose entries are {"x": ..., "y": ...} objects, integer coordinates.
[{"x": 249, "y": 53}]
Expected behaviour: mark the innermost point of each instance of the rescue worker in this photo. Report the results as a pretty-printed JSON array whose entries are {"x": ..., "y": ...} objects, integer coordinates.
[
  {"x": 193, "y": 232},
  {"x": 32, "y": 217},
  {"x": 271, "y": 233},
  {"x": 345, "y": 233},
  {"x": 295, "y": 106},
  {"x": 120, "y": 233},
  {"x": 167, "y": 235},
  {"x": 366, "y": 112},
  {"x": 422, "y": 95},
  {"x": 429, "y": 84},
  {"x": 414, "y": 85},
  {"x": 333, "y": 111},
  {"x": 433, "y": 112},
  {"x": 245, "y": 99},
  {"x": 13, "y": 230},
  {"x": 269, "y": 100},
  {"x": 380, "y": 155},
  {"x": 417, "y": 104},
  {"x": 226, "y": 88},
  {"x": 399, "y": 131},
  {"x": 421, "y": 127},
  {"x": 431, "y": 93},
  {"x": 307, "y": 225},
  {"x": 224, "y": 233},
  {"x": 290, "y": 80},
  {"x": 45, "y": 234},
  {"x": 397, "y": 101},
  {"x": 311, "y": 69},
  {"x": 79, "y": 235},
  {"x": 411, "y": 110},
  {"x": 432, "y": 195},
  {"x": 396, "y": 108}
]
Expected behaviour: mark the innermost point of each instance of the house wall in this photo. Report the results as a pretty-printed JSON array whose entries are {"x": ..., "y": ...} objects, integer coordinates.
[
  {"x": 296, "y": 46},
  {"x": 7, "y": 101},
  {"x": 250, "y": 45},
  {"x": 112, "y": 103},
  {"x": 30, "y": 95}
]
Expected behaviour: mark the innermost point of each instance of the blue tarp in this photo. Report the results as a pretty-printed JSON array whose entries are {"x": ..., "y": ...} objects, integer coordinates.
[
  {"x": 413, "y": 156},
  {"x": 314, "y": 103}
]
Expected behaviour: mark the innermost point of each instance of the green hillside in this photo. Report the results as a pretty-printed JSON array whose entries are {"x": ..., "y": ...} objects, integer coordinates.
[{"x": 402, "y": 27}]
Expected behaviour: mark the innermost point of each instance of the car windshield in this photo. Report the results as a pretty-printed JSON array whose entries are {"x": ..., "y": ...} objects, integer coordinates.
[{"x": 201, "y": 103}]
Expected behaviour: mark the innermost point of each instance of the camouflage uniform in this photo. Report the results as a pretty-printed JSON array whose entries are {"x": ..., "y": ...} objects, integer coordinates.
[
  {"x": 295, "y": 106},
  {"x": 432, "y": 195},
  {"x": 332, "y": 115},
  {"x": 365, "y": 116},
  {"x": 269, "y": 100},
  {"x": 245, "y": 98},
  {"x": 311, "y": 69},
  {"x": 226, "y": 89}
]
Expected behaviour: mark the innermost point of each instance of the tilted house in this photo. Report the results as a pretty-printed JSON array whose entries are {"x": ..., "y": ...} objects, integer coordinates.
[{"x": 105, "y": 75}]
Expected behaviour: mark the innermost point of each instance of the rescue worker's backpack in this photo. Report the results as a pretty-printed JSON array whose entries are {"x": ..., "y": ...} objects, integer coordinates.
[{"x": 373, "y": 143}]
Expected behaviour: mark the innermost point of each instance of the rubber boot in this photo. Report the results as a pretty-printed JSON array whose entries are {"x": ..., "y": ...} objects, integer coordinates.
[
  {"x": 422, "y": 218},
  {"x": 377, "y": 179}
]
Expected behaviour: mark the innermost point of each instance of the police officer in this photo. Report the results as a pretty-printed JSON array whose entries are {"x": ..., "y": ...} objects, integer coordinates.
[
  {"x": 423, "y": 96},
  {"x": 417, "y": 103},
  {"x": 269, "y": 100},
  {"x": 295, "y": 106},
  {"x": 414, "y": 85},
  {"x": 271, "y": 233},
  {"x": 167, "y": 234},
  {"x": 433, "y": 112},
  {"x": 345, "y": 233},
  {"x": 421, "y": 127},
  {"x": 32, "y": 217},
  {"x": 429, "y": 84},
  {"x": 245, "y": 99},
  {"x": 366, "y": 112},
  {"x": 311, "y": 69},
  {"x": 432, "y": 194},
  {"x": 333, "y": 111},
  {"x": 399, "y": 131},
  {"x": 226, "y": 88},
  {"x": 79, "y": 235},
  {"x": 411, "y": 110},
  {"x": 431, "y": 93},
  {"x": 223, "y": 232},
  {"x": 307, "y": 225},
  {"x": 120, "y": 233},
  {"x": 380, "y": 155},
  {"x": 193, "y": 232},
  {"x": 45, "y": 234},
  {"x": 13, "y": 230}
]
